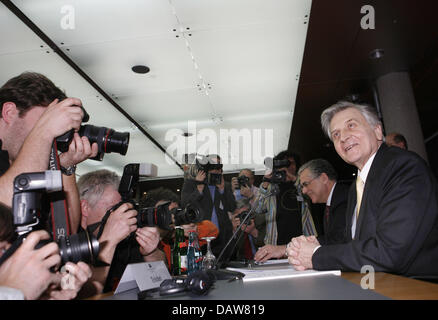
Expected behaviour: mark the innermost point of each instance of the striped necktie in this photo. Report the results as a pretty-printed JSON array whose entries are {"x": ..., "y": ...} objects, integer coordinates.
[{"x": 359, "y": 194}]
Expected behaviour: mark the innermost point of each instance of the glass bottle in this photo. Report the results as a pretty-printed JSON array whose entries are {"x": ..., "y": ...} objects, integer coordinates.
[
  {"x": 191, "y": 253},
  {"x": 176, "y": 252}
]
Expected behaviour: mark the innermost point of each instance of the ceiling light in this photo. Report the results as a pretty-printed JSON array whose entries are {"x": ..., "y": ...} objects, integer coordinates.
[
  {"x": 377, "y": 54},
  {"x": 140, "y": 69}
]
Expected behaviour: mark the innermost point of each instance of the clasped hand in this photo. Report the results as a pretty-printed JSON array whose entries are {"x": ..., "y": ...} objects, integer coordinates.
[{"x": 300, "y": 251}]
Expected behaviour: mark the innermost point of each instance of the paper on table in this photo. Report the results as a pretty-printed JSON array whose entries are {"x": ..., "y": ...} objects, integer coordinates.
[{"x": 282, "y": 272}]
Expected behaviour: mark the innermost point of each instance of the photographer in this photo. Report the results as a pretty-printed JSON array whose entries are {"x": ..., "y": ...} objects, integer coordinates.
[
  {"x": 243, "y": 186},
  {"x": 288, "y": 215},
  {"x": 204, "y": 228},
  {"x": 214, "y": 198},
  {"x": 252, "y": 238},
  {"x": 99, "y": 193},
  {"x": 27, "y": 275},
  {"x": 33, "y": 113}
]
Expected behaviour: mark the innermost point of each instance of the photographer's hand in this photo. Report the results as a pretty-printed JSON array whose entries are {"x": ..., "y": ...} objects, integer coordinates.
[
  {"x": 58, "y": 118},
  {"x": 234, "y": 183},
  {"x": 78, "y": 151},
  {"x": 71, "y": 279},
  {"x": 120, "y": 224},
  {"x": 246, "y": 192},
  {"x": 200, "y": 177},
  {"x": 148, "y": 239},
  {"x": 28, "y": 269}
]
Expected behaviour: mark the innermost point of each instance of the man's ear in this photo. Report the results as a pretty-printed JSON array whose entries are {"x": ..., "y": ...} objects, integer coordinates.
[
  {"x": 85, "y": 207},
  {"x": 324, "y": 177},
  {"x": 9, "y": 112},
  {"x": 379, "y": 132}
]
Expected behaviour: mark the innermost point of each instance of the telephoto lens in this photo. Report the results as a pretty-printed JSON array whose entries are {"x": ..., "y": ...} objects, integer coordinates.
[
  {"x": 189, "y": 214},
  {"x": 81, "y": 246},
  {"x": 107, "y": 139}
]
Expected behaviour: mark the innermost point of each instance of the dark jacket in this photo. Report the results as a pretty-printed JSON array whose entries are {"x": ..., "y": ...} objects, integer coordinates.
[
  {"x": 223, "y": 203},
  {"x": 397, "y": 229},
  {"x": 335, "y": 223}
]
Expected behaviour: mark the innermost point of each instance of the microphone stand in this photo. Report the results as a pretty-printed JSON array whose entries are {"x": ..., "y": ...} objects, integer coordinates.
[{"x": 217, "y": 265}]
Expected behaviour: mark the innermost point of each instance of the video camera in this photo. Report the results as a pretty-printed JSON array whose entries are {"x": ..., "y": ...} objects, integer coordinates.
[
  {"x": 278, "y": 176},
  {"x": 108, "y": 140},
  {"x": 29, "y": 189}
]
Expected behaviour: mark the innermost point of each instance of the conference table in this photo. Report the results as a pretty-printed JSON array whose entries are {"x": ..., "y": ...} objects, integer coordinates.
[{"x": 324, "y": 287}]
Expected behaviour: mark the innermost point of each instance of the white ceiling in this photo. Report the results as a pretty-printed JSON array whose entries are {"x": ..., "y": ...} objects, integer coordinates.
[{"x": 215, "y": 64}]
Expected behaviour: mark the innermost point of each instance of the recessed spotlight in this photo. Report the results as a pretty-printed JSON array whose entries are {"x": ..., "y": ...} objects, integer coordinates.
[
  {"x": 377, "y": 54},
  {"x": 140, "y": 69}
]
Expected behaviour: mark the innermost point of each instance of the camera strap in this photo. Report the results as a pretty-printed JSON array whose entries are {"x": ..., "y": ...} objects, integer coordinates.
[{"x": 58, "y": 205}]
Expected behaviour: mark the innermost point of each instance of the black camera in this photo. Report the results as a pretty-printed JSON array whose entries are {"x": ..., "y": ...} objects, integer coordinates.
[
  {"x": 278, "y": 176},
  {"x": 243, "y": 215},
  {"x": 29, "y": 189},
  {"x": 203, "y": 163},
  {"x": 162, "y": 217},
  {"x": 108, "y": 140},
  {"x": 243, "y": 181}
]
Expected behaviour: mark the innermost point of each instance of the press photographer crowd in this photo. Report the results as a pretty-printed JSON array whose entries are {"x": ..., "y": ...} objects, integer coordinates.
[{"x": 69, "y": 237}]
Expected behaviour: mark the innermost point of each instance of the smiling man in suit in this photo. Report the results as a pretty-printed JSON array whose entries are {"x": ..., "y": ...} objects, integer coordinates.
[
  {"x": 318, "y": 180},
  {"x": 392, "y": 212}
]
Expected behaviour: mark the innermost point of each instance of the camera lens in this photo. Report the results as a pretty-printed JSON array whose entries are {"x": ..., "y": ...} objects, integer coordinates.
[
  {"x": 79, "y": 247},
  {"x": 151, "y": 217},
  {"x": 185, "y": 216},
  {"x": 107, "y": 139}
]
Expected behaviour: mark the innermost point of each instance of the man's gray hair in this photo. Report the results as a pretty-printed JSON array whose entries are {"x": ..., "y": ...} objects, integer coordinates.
[
  {"x": 243, "y": 202},
  {"x": 367, "y": 111},
  {"x": 319, "y": 166},
  {"x": 92, "y": 184}
]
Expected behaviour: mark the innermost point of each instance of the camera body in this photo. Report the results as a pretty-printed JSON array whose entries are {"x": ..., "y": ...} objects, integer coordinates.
[
  {"x": 160, "y": 216},
  {"x": 108, "y": 140},
  {"x": 278, "y": 176},
  {"x": 243, "y": 181},
  {"x": 242, "y": 216},
  {"x": 29, "y": 189},
  {"x": 203, "y": 163}
]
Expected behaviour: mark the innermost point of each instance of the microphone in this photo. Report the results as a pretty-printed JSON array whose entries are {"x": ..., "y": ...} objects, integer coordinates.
[{"x": 227, "y": 273}]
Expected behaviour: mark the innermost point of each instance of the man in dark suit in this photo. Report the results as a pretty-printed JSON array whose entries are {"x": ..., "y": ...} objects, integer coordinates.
[
  {"x": 318, "y": 180},
  {"x": 214, "y": 199},
  {"x": 392, "y": 212}
]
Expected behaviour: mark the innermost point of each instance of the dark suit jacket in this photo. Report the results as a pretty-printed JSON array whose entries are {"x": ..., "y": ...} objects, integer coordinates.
[
  {"x": 204, "y": 202},
  {"x": 335, "y": 229},
  {"x": 397, "y": 229}
]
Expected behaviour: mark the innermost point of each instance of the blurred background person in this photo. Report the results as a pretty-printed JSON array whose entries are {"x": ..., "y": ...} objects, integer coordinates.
[
  {"x": 318, "y": 180},
  {"x": 396, "y": 139},
  {"x": 214, "y": 198}
]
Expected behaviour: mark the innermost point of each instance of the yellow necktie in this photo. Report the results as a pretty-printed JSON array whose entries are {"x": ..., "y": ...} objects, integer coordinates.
[{"x": 359, "y": 193}]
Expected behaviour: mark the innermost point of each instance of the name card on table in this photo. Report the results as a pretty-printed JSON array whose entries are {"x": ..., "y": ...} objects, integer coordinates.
[{"x": 143, "y": 275}]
